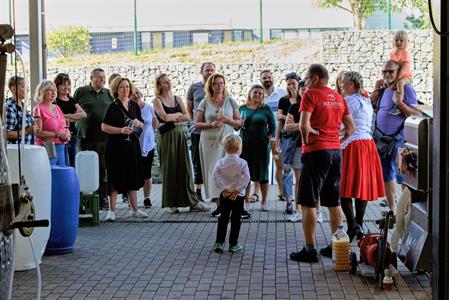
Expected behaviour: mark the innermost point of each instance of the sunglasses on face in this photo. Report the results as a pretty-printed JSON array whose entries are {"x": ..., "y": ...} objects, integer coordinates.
[{"x": 388, "y": 71}]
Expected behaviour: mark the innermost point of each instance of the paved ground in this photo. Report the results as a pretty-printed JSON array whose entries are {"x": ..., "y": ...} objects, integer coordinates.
[{"x": 170, "y": 257}]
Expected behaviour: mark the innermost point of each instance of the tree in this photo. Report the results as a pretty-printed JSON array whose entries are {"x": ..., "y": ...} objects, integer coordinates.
[
  {"x": 360, "y": 9},
  {"x": 69, "y": 40},
  {"x": 417, "y": 22},
  {"x": 421, "y": 21}
]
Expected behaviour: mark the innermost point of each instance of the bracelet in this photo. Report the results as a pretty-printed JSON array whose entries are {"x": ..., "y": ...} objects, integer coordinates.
[{"x": 401, "y": 106}]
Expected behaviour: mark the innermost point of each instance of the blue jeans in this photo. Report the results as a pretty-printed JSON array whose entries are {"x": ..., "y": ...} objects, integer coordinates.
[
  {"x": 61, "y": 156},
  {"x": 287, "y": 183},
  {"x": 389, "y": 165},
  {"x": 71, "y": 151}
]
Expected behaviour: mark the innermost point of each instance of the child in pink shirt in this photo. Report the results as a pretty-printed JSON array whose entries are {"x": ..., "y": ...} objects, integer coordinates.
[{"x": 400, "y": 55}]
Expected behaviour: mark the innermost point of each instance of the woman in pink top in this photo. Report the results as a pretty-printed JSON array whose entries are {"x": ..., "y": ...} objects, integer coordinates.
[{"x": 51, "y": 125}]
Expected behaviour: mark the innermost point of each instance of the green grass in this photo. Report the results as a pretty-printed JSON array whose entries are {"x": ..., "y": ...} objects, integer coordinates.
[{"x": 228, "y": 52}]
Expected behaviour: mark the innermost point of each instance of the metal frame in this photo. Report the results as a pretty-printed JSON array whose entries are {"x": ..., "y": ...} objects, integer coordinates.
[
  {"x": 38, "y": 48},
  {"x": 440, "y": 132}
]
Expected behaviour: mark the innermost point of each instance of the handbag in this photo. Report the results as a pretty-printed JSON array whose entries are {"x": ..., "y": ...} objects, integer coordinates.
[
  {"x": 384, "y": 143},
  {"x": 136, "y": 129},
  {"x": 165, "y": 127},
  {"x": 50, "y": 146}
]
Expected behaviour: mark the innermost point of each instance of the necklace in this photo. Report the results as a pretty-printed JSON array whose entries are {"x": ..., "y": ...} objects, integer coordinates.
[
  {"x": 168, "y": 101},
  {"x": 52, "y": 109},
  {"x": 217, "y": 104}
]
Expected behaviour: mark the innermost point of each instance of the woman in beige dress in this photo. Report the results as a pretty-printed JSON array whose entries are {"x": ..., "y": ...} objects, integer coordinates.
[{"x": 217, "y": 115}]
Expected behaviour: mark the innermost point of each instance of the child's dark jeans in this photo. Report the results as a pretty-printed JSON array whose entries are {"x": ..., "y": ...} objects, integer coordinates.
[{"x": 233, "y": 208}]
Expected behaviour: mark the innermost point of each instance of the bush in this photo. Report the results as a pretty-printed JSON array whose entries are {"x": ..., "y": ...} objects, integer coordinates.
[{"x": 68, "y": 41}]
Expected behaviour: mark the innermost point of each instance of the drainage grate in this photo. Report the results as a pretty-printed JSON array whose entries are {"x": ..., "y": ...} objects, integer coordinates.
[{"x": 125, "y": 221}]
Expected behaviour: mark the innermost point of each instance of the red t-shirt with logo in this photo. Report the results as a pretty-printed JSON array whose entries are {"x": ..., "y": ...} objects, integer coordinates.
[{"x": 327, "y": 108}]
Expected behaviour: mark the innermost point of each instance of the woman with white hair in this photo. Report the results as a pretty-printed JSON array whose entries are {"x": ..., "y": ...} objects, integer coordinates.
[
  {"x": 361, "y": 174},
  {"x": 51, "y": 128}
]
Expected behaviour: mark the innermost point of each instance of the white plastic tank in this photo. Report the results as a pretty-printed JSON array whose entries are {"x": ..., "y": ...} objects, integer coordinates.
[
  {"x": 86, "y": 165},
  {"x": 37, "y": 173}
]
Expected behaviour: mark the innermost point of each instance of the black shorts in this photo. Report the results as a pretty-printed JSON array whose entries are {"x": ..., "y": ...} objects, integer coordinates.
[
  {"x": 147, "y": 164},
  {"x": 320, "y": 178}
]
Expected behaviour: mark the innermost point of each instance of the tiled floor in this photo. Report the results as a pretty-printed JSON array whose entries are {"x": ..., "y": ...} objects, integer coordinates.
[{"x": 170, "y": 257}]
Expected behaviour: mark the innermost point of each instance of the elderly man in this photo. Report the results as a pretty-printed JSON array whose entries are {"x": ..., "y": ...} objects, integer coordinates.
[
  {"x": 94, "y": 99},
  {"x": 391, "y": 123},
  {"x": 194, "y": 96},
  {"x": 322, "y": 112}
]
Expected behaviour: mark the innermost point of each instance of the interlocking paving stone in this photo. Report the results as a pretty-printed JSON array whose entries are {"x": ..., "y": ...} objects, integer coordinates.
[{"x": 170, "y": 257}]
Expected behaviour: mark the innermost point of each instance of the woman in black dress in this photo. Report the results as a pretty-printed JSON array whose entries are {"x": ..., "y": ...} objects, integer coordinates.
[
  {"x": 122, "y": 150},
  {"x": 71, "y": 109}
]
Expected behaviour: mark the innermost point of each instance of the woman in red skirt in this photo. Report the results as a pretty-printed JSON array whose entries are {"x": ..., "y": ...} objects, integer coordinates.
[{"x": 361, "y": 175}]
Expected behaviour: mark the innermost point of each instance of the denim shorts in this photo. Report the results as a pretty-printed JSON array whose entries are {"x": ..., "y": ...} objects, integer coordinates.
[{"x": 389, "y": 165}]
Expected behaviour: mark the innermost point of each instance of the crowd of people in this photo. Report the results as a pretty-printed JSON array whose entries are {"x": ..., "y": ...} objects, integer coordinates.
[{"x": 321, "y": 142}]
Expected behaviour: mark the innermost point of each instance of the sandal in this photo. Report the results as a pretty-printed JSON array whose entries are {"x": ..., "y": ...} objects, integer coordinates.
[
  {"x": 254, "y": 198},
  {"x": 282, "y": 197}
]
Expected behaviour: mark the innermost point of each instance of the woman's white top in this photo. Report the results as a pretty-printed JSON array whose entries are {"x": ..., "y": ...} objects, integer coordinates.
[
  {"x": 362, "y": 114},
  {"x": 147, "y": 142}
]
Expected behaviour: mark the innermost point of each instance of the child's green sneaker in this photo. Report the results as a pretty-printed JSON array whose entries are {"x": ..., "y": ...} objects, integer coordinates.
[
  {"x": 218, "y": 247},
  {"x": 235, "y": 248}
]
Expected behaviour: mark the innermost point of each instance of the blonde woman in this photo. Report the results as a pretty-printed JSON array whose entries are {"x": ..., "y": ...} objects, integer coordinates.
[
  {"x": 50, "y": 122},
  {"x": 177, "y": 183},
  {"x": 217, "y": 115},
  {"x": 258, "y": 126}
]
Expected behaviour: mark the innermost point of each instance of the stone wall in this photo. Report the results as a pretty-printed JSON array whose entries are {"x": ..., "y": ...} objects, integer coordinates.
[
  {"x": 365, "y": 52},
  {"x": 239, "y": 77}
]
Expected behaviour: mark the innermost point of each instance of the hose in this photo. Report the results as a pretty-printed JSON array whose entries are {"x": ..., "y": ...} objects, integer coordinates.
[
  {"x": 402, "y": 219},
  {"x": 38, "y": 270}
]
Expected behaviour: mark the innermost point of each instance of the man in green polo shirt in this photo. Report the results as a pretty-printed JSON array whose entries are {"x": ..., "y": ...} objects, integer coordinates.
[{"x": 94, "y": 99}]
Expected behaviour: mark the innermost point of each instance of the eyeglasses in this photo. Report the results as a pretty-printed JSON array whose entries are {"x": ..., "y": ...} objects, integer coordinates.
[
  {"x": 389, "y": 71},
  {"x": 292, "y": 75}
]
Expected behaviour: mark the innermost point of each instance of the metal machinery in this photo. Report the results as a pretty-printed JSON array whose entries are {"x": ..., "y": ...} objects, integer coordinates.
[
  {"x": 16, "y": 205},
  {"x": 415, "y": 250}
]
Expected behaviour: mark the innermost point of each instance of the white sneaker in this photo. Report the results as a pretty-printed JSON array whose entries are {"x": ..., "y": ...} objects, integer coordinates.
[
  {"x": 110, "y": 216},
  {"x": 319, "y": 217},
  {"x": 173, "y": 210},
  {"x": 297, "y": 217},
  {"x": 138, "y": 214},
  {"x": 265, "y": 206},
  {"x": 200, "y": 206}
]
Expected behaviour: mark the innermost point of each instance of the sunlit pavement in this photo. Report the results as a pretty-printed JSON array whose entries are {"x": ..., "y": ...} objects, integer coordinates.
[{"x": 170, "y": 257}]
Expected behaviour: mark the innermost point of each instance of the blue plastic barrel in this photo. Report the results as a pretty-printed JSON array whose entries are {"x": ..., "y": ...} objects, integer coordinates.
[{"x": 65, "y": 203}]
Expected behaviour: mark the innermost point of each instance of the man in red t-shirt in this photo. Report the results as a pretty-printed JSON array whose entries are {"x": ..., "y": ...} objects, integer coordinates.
[{"x": 322, "y": 112}]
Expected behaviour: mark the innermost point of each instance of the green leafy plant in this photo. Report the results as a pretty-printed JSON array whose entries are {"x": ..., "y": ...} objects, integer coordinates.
[
  {"x": 68, "y": 41},
  {"x": 361, "y": 9}
]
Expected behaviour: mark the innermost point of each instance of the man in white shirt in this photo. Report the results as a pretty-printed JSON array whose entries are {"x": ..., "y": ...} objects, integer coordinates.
[{"x": 272, "y": 97}]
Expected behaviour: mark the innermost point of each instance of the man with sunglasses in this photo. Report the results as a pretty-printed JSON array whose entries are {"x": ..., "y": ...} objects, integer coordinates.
[{"x": 392, "y": 123}]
